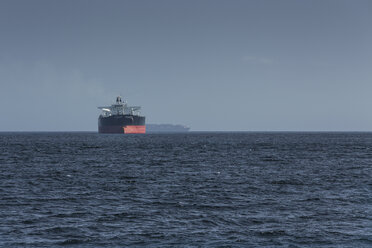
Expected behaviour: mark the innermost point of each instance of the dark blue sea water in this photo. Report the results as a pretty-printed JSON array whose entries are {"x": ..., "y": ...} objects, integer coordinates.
[{"x": 194, "y": 190}]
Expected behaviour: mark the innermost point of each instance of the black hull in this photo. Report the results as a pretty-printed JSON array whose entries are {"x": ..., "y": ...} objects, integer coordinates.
[{"x": 121, "y": 124}]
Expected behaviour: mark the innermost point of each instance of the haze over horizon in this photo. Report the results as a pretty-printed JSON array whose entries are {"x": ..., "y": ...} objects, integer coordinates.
[{"x": 211, "y": 65}]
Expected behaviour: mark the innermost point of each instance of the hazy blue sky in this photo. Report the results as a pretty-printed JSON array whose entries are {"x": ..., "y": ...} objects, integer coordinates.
[{"x": 212, "y": 65}]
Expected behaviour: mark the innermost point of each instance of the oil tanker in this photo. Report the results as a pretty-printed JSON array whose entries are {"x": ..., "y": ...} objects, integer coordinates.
[
  {"x": 166, "y": 128},
  {"x": 121, "y": 118}
]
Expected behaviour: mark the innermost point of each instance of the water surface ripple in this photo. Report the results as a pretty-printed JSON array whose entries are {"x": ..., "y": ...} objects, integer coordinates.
[{"x": 194, "y": 190}]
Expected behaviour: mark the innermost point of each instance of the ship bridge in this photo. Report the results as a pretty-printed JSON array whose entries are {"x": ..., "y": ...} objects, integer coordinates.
[{"x": 120, "y": 108}]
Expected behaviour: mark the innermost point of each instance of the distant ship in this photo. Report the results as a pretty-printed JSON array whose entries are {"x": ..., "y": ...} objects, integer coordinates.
[
  {"x": 166, "y": 128},
  {"x": 121, "y": 118}
]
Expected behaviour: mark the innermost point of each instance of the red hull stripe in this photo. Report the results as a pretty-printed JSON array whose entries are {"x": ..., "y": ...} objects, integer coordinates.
[{"x": 134, "y": 129}]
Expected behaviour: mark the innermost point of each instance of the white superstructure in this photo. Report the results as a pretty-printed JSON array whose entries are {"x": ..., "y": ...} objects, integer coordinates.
[{"x": 119, "y": 108}]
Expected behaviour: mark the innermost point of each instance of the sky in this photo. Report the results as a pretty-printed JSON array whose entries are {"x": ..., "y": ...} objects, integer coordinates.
[{"x": 213, "y": 65}]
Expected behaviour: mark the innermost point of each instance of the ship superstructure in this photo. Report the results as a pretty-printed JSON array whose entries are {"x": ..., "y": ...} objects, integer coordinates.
[{"x": 121, "y": 118}]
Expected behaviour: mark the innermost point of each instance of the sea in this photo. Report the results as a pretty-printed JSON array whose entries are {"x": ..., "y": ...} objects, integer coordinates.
[{"x": 212, "y": 189}]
